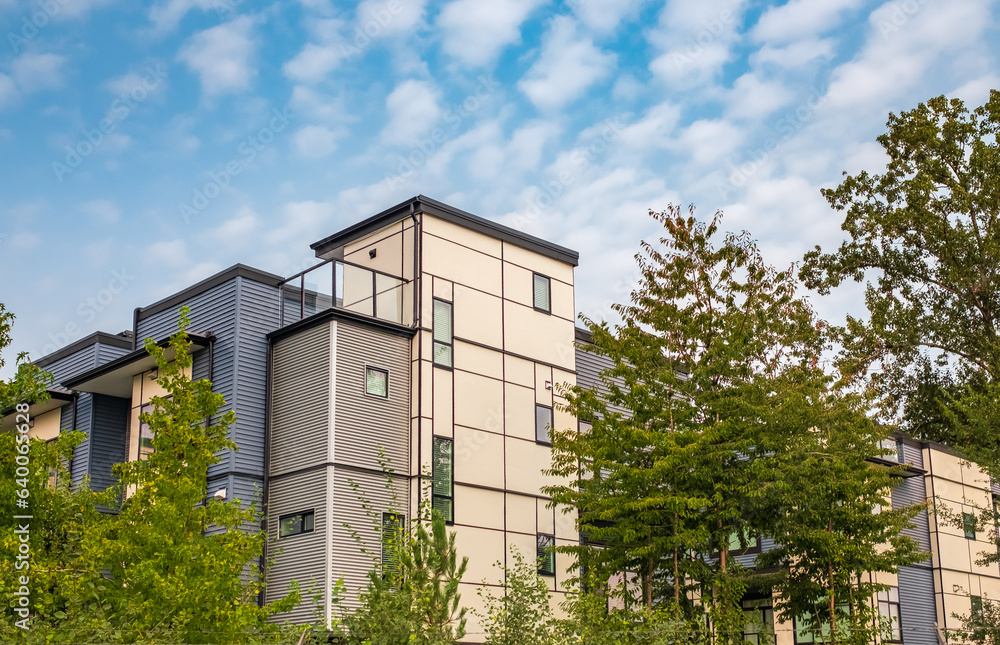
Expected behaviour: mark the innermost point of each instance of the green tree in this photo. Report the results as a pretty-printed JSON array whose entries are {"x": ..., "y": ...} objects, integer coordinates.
[
  {"x": 925, "y": 235},
  {"x": 521, "y": 614}
]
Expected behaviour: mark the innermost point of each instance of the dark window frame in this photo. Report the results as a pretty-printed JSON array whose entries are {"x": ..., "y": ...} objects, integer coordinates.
[
  {"x": 377, "y": 369},
  {"x": 450, "y": 344},
  {"x": 889, "y": 604},
  {"x": 969, "y": 526},
  {"x": 451, "y": 478},
  {"x": 546, "y": 560},
  {"x": 534, "y": 302},
  {"x": 393, "y": 521},
  {"x": 548, "y": 434},
  {"x": 302, "y": 530}
]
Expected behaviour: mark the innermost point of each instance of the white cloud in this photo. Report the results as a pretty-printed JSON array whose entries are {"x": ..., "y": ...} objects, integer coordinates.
[
  {"x": 795, "y": 54},
  {"x": 221, "y": 56},
  {"x": 8, "y": 91},
  {"x": 567, "y": 66},
  {"x": 755, "y": 98},
  {"x": 390, "y": 17},
  {"x": 317, "y": 106},
  {"x": 653, "y": 130},
  {"x": 315, "y": 141},
  {"x": 104, "y": 211},
  {"x": 38, "y": 71},
  {"x": 706, "y": 141},
  {"x": 475, "y": 32},
  {"x": 604, "y": 16},
  {"x": 171, "y": 254},
  {"x": 165, "y": 16},
  {"x": 313, "y": 63},
  {"x": 413, "y": 109},
  {"x": 237, "y": 230},
  {"x": 801, "y": 19},
  {"x": 696, "y": 39}
]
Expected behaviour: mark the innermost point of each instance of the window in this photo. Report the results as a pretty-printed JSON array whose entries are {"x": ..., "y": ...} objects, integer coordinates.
[
  {"x": 969, "y": 525},
  {"x": 805, "y": 634},
  {"x": 393, "y": 525},
  {"x": 977, "y": 619},
  {"x": 53, "y": 473},
  {"x": 900, "y": 455},
  {"x": 546, "y": 554},
  {"x": 145, "y": 434},
  {"x": 752, "y": 544},
  {"x": 443, "y": 335},
  {"x": 376, "y": 382},
  {"x": 289, "y": 525},
  {"x": 543, "y": 293},
  {"x": 759, "y": 626},
  {"x": 543, "y": 423},
  {"x": 888, "y": 609},
  {"x": 442, "y": 476}
]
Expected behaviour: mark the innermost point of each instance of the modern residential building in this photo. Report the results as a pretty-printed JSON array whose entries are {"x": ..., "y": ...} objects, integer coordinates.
[{"x": 419, "y": 362}]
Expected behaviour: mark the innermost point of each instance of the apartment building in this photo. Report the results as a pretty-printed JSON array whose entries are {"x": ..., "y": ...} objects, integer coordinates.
[{"x": 418, "y": 362}]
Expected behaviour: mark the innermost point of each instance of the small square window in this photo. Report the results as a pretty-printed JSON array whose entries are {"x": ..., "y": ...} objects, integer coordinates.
[
  {"x": 542, "y": 288},
  {"x": 969, "y": 525},
  {"x": 289, "y": 525},
  {"x": 546, "y": 554},
  {"x": 543, "y": 424},
  {"x": 377, "y": 382}
]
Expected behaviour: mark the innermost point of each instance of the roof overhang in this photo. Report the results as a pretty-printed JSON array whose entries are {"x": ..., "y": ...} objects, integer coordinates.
[
  {"x": 115, "y": 377},
  {"x": 903, "y": 470},
  {"x": 57, "y": 399},
  {"x": 329, "y": 247}
]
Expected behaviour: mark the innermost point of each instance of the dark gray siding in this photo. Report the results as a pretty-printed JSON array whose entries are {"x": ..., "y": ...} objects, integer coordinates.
[
  {"x": 364, "y": 423},
  {"x": 916, "y": 606},
  {"x": 912, "y": 454},
  {"x": 73, "y": 364},
  {"x": 588, "y": 370},
  {"x": 107, "y": 353},
  {"x": 109, "y": 426},
  {"x": 84, "y": 421},
  {"x": 911, "y": 491}
]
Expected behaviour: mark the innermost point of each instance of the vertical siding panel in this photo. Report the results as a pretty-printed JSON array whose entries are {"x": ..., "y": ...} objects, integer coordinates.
[
  {"x": 107, "y": 440},
  {"x": 911, "y": 491},
  {"x": 918, "y": 613}
]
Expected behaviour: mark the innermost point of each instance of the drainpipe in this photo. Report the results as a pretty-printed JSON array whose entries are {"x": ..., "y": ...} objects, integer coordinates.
[{"x": 267, "y": 464}]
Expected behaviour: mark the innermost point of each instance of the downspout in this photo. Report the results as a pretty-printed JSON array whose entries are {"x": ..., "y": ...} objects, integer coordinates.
[
  {"x": 267, "y": 466},
  {"x": 418, "y": 282}
]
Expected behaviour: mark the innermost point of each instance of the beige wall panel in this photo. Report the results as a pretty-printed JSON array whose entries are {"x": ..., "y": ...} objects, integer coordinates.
[
  {"x": 517, "y": 370},
  {"x": 977, "y": 549},
  {"x": 426, "y": 302},
  {"x": 990, "y": 587},
  {"x": 151, "y": 388},
  {"x": 562, "y": 300},
  {"x": 543, "y": 373},
  {"x": 478, "y": 457},
  {"x": 525, "y": 544},
  {"x": 473, "y": 358},
  {"x": 442, "y": 411},
  {"x": 478, "y": 317},
  {"x": 443, "y": 289},
  {"x": 452, "y": 261},
  {"x": 136, "y": 389},
  {"x": 519, "y": 412},
  {"x": 426, "y": 445},
  {"x": 389, "y": 254},
  {"x": 950, "y": 491},
  {"x": 517, "y": 285},
  {"x": 470, "y": 600},
  {"x": 478, "y": 507},
  {"x": 952, "y": 579},
  {"x": 462, "y": 235},
  {"x": 565, "y": 561},
  {"x": 537, "y": 263},
  {"x": 945, "y": 465},
  {"x": 519, "y": 513},
  {"x": 550, "y": 340},
  {"x": 954, "y": 552},
  {"x": 483, "y": 547},
  {"x": 478, "y": 401},
  {"x": 562, "y": 378},
  {"x": 525, "y": 462},
  {"x": 563, "y": 420},
  {"x": 544, "y": 517},
  {"x": 46, "y": 426},
  {"x": 566, "y": 524},
  {"x": 427, "y": 370}
]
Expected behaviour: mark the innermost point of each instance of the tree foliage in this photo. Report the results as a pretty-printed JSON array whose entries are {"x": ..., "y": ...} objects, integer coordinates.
[
  {"x": 925, "y": 234},
  {"x": 521, "y": 613}
]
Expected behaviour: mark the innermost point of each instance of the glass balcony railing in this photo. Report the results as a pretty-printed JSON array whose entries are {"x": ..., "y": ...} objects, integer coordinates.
[{"x": 343, "y": 285}]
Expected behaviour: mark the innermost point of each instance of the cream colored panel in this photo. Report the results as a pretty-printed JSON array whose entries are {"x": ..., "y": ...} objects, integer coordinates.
[
  {"x": 426, "y": 446},
  {"x": 525, "y": 462},
  {"x": 517, "y": 370},
  {"x": 451, "y": 261},
  {"x": 550, "y": 340},
  {"x": 526, "y": 545},
  {"x": 538, "y": 263},
  {"x": 956, "y": 581},
  {"x": 462, "y": 235},
  {"x": 442, "y": 410},
  {"x": 544, "y": 517},
  {"x": 562, "y": 300},
  {"x": 136, "y": 389},
  {"x": 478, "y": 402},
  {"x": 945, "y": 465},
  {"x": 563, "y": 420},
  {"x": 46, "y": 426},
  {"x": 478, "y": 507},
  {"x": 562, "y": 379},
  {"x": 949, "y": 491},
  {"x": 483, "y": 547},
  {"x": 478, "y": 458},
  {"x": 473, "y": 358},
  {"x": 133, "y": 434},
  {"x": 543, "y": 375},
  {"x": 519, "y": 412},
  {"x": 566, "y": 523},
  {"x": 478, "y": 317},
  {"x": 978, "y": 548},
  {"x": 564, "y": 562},
  {"x": 517, "y": 285},
  {"x": 954, "y": 552},
  {"x": 427, "y": 386},
  {"x": 388, "y": 246},
  {"x": 443, "y": 289},
  {"x": 990, "y": 587},
  {"x": 426, "y": 302},
  {"x": 477, "y": 607},
  {"x": 151, "y": 388},
  {"x": 975, "y": 477},
  {"x": 521, "y": 513}
]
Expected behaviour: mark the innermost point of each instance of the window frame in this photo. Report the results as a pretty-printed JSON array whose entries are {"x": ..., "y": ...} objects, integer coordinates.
[
  {"x": 534, "y": 302},
  {"x": 377, "y": 369},
  {"x": 307, "y": 513},
  {"x": 969, "y": 519},
  {"x": 763, "y": 607},
  {"x": 450, "y": 344},
  {"x": 451, "y": 477},
  {"x": 889, "y": 604},
  {"x": 546, "y": 562},
  {"x": 548, "y": 440},
  {"x": 396, "y": 521}
]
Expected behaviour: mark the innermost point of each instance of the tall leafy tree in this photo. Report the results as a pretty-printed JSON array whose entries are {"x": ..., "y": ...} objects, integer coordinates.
[{"x": 925, "y": 234}]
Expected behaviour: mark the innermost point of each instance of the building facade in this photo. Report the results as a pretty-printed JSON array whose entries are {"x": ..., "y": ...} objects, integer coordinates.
[{"x": 420, "y": 363}]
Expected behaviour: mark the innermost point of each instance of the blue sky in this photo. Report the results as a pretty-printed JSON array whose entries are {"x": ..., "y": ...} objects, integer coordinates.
[{"x": 144, "y": 146}]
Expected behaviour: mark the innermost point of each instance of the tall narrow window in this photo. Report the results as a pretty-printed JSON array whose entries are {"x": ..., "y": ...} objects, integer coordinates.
[
  {"x": 542, "y": 288},
  {"x": 442, "y": 475},
  {"x": 759, "y": 626},
  {"x": 546, "y": 554},
  {"x": 393, "y": 525},
  {"x": 376, "y": 382},
  {"x": 969, "y": 525},
  {"x": 543, "y": 424},
  {"x": 888, "y": 609},
  {"x": 442, "y": 332},
  {"x": 145, "y": 433}
]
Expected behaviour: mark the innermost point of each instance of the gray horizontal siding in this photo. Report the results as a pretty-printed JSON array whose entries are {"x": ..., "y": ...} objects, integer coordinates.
[
  {"x": 918, "y": 613},
  {"x": 911, "y": 491},
  {"x": 74, "y": 364},
  {"x": 108, "y": 353},
  {"x": 300, "y": 400},
  {"x": 363, "y": 423},
  {"x": 588, "y": 375},
  {"x": 301, "y": 558},
  {"x": 84, "y": 423},
  {"x": 107, "y": 439},
  {"x": 913, "y": 455}
]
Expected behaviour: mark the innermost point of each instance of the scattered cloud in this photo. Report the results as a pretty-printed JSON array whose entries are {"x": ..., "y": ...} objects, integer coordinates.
[
  {"x": 802, "y": 19},
  {"x": 33, "y": 72},
  {"x": 313, "y": 63},
  {"x": 475, "y": 32},
  {"x": 103, "y": 211},
  {"x": 413, "y": 108},
  {"x": 221, "y": 56},
  {"x": 316, "y": 141},
  {"x": 568, "y": 65}
]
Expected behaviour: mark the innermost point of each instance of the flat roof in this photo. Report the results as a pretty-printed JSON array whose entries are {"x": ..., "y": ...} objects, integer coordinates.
[
  {"x": 235, "y": 271},
  {"x": 102, "y": 337},
  {"x": 57, "y": 399},
  {"x": 422, "y": 204}
]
